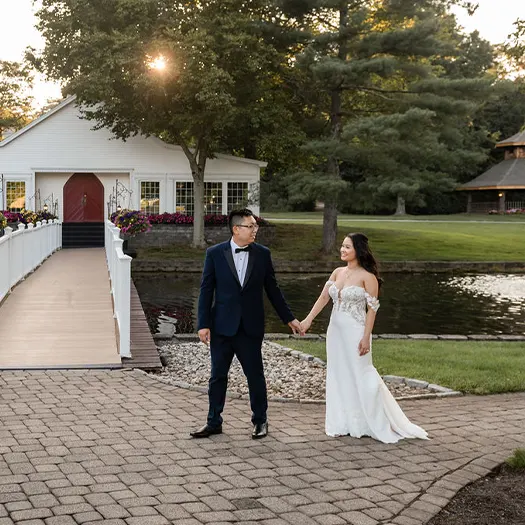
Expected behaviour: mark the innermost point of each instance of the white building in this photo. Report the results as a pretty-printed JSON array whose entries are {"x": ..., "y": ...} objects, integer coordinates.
[{"x": 59, "y": 160}]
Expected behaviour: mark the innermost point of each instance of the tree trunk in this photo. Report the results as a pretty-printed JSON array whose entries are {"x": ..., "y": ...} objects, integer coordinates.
[
  {"x": 250, "y": 149},
  {"x": 332, "y": 168},
  {"x": 197, "y": 162},
  {"x": 400, "y": 210},
  {"x": 198, "y": 211},
  {"x": 469, "y": 202},
  {"x": 329, "y": 226}
]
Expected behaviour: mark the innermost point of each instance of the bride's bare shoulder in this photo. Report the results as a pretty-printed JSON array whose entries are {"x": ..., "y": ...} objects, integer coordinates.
[
  {"x": 369, "y": 277},
  {"x": 336, "y": 272}
]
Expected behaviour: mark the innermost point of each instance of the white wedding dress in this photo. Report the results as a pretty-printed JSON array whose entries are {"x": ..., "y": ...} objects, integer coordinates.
[{"x": 358, "y": 403}]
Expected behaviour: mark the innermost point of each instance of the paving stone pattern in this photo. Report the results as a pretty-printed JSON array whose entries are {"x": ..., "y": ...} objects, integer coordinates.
[{"x": 112, "y": 447}]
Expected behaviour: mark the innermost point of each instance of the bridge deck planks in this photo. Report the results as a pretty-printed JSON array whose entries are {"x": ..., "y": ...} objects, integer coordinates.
[{"x": 143, "y": 349}]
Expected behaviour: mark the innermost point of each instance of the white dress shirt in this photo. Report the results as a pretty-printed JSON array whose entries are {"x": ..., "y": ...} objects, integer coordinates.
[{"x": 241, "y": 262}]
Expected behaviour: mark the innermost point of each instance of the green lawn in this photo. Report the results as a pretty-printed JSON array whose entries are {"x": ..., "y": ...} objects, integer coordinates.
[
  {"x": 391, "y": 241},
  {"x": 468, "y": 366},
  {"x": 413, "y": 241}
]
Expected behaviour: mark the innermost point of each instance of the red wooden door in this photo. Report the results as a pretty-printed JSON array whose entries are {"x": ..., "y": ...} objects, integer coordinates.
[{"x": 83, "y": 198}]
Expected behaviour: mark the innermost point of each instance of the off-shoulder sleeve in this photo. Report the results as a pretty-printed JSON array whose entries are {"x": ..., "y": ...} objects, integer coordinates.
[
  {"x": 372, "y": 302},
  {"x": 329, "y": 283}
]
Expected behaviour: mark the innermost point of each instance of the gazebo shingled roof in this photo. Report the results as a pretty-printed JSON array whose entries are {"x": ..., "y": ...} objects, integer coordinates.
[
  {"x": 507, "y": 175},
  {"x": 516, "y": 140}
]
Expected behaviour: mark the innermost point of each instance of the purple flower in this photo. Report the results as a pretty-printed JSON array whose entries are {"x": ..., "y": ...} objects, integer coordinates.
[{"x": 131, "y": 222}]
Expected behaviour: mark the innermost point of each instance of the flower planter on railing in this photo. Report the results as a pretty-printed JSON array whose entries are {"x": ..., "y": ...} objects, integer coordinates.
[{"x": 24, "y": 249}]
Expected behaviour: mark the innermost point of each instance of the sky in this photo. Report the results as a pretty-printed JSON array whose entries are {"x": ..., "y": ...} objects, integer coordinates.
[{"x": 493, "y": 19}]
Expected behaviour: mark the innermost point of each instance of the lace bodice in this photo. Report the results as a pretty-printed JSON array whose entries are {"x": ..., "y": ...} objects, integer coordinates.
[{"x": 352, "y": 300}]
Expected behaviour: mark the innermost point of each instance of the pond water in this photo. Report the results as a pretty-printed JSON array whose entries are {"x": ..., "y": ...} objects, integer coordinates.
[{"x": 410, "y": 303}]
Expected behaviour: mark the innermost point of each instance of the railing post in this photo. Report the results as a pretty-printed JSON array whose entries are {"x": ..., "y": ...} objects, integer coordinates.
[
  {"x": 123, "y": 278},
  {"x": 47, "y": 243},
  {"x": 60, "y": 235},
  {"x": 119, "y": 266},
  {"x": 125, "y": 304},
  {"x": 117, "y": 245},
  {"x": 115, "y": 240},
  {"x": 29, "y": 255},
  {"x": 39, "y": 238},
  {"x": 24, "y": 249},
  {"x": 6, "y": 276}
]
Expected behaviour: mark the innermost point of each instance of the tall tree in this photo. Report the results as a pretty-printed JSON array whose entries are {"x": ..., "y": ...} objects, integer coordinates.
[
  {"x": 362, "y": 54},
  {"x": 187, "y": 72},
  {"x": 421, "y": 149},
  {"x": 514, "y": 47},
  {"x": 16, "y": 82},
  {"x": 505, "y": 115}
]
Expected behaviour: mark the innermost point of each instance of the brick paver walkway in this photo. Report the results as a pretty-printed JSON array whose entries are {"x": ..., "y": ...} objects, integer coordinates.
[{"x": 90, "y": 447}]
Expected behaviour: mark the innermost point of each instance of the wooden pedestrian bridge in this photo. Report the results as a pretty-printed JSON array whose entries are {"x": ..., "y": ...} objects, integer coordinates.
[{"x": 69, "y": 308}]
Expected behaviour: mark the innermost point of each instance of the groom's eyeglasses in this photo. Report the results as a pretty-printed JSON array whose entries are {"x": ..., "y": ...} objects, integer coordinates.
[{"x": 253, "y": 227}]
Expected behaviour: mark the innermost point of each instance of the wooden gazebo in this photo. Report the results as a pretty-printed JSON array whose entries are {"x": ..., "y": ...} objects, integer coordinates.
[{"x": 496, "y": 189}]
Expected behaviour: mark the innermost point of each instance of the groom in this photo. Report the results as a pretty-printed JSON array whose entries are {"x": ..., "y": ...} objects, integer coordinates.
[{"x": 231, "y": 317}]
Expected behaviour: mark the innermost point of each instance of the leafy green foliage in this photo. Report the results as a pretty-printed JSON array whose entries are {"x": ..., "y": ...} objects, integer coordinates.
[
  {"x": 514, "y": 48},
  {"x": 15, "y": 100},
  {"x": 517, "y": 460},
  {"x": 502, "y": 116}
]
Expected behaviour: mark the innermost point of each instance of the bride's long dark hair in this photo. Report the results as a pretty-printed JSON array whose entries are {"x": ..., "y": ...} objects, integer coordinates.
[{"x": 364, "y": 255}]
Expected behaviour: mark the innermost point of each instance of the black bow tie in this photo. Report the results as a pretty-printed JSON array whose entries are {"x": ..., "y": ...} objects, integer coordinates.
[{"x": 245, "y": 249}]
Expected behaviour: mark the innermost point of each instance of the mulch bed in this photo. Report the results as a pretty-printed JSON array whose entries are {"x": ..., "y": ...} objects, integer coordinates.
[{"x": 497, "y": 499}]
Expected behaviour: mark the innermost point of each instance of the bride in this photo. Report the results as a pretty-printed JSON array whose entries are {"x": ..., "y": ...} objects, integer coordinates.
[{"x": 358, "y": 403}]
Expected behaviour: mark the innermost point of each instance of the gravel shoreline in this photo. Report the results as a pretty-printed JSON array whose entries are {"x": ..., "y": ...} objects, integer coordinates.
[{"x": 287, "y": 377}]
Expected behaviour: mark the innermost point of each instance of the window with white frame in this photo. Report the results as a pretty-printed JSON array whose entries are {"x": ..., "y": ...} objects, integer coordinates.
[
  {"x": 237, "y": 195},
  {"x": 15, "y": 193},
  {"x": 150, "y": 196},
  {"x": 184, "y": 198},
  {"x": 213, "y": 198}
]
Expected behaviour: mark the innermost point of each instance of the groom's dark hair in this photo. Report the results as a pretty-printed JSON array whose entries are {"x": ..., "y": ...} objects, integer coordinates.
[{"x": 235, "y": 217}]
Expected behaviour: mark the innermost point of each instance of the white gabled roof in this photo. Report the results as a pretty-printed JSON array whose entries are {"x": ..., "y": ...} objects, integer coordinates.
[
  {"x": 37, "y": 121},
  {"x": 72, "y": 98}
]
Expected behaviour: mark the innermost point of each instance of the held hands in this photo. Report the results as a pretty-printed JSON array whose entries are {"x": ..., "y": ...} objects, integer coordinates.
[
  {"x": 296, "y": 327},
  {"x": 364, "y": 346},
  {"x": 204, "y": 335},
  {"x": 306, "y": 323}
]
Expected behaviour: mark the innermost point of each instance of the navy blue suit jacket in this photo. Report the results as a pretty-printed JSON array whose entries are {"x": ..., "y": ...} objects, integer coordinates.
[{"x": 223, "y": 302}]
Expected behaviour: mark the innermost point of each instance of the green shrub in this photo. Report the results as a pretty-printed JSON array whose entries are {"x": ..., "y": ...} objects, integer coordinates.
[{"x": 517, "y": 460}]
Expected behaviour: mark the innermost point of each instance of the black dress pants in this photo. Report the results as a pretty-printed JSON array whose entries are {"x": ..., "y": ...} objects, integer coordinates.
[{"x": 249, "y": 353}]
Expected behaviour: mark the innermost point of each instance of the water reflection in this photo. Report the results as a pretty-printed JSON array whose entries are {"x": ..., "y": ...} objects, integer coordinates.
[
  {"x": 410, "y": 303},
  {"x": 499, "y": 288}
]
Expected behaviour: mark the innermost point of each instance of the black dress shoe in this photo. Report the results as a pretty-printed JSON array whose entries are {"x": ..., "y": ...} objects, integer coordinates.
[
  {"x": 206, "y": 431},
  {"x": 260, "y": 430}
]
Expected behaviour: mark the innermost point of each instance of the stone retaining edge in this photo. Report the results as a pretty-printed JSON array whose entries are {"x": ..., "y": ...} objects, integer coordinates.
[{"x": 173, "y": 337}]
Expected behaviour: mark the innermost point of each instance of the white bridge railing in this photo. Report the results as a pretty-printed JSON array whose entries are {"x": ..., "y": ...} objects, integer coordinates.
[
  {"x": 119, "y": 266},
  {"x": 24, "y": 249}
]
